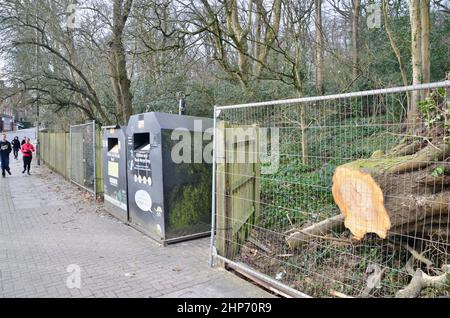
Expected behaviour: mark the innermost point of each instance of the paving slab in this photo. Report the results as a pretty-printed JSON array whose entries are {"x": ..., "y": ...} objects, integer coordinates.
[{"x": 51, "y": 231}]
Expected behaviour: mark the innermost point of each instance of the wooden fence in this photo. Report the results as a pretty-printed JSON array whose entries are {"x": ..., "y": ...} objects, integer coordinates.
[{"x": 238, "y": 188}]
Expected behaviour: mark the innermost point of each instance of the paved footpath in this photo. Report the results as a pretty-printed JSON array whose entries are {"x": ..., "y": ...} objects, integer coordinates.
[{"x": 47, "y": 224}]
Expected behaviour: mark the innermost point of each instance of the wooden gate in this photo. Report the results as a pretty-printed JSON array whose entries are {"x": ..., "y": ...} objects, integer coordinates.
[{"x": 237, "y": 186}]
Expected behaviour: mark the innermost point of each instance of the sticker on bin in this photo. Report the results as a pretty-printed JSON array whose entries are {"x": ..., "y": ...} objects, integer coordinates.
[
  {"x": 113, "y": 181},
  {"x": 113, "y": 169},
  {"x": 158, "y": 228},
  {"x": 143, "y": 200}
]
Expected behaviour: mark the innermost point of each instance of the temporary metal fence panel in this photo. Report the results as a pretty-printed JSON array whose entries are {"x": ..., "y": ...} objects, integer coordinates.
[
  {"x": 299, "y": 240},
  {"x": 56, "y": 153},
  {"x": 83, "y": 156}
]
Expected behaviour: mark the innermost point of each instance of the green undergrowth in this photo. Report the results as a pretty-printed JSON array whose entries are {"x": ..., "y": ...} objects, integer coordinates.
[{"x": 299, "y": 192}]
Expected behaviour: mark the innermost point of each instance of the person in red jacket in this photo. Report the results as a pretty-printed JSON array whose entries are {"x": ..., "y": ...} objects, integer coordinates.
[{"x": 27, "y": 150}]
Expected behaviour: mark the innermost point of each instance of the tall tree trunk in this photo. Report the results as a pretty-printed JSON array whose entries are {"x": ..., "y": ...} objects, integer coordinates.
[
  {"x": 73, "y": 58},
  {"x": 319, "y": 47},
  {"x": 121, "y": 11},
  {"x": 271, "y": 32},
  {"x": 303, "y": 126},
  {"x": 416, "y": 59},
  {"x": 425, "y": 38},
  {"x": 395, "y": 49},
  {"x": 355, "y": 37},
  {"x": 239, "y": 38}
]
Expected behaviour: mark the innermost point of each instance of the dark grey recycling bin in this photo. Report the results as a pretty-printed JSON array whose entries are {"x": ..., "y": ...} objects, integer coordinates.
[
  {"x": 115, "y": 171},
  {"x": 169, "y": 183}
]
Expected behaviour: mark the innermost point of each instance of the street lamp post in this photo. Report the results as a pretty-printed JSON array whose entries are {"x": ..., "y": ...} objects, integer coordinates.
[
  {"x": 38, "y": 145},
  {"x": 181, "y": 104}
]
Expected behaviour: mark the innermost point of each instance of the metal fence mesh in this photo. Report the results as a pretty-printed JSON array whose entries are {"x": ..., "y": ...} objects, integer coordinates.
[
  {"x": 82, "y": 156},
  {"x": 295, "y": 192}
]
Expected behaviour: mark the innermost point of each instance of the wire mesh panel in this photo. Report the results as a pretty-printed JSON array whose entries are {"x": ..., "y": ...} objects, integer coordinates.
[
  {"x": 82, "y": 156},
  {"x": 353, "y": 192}
]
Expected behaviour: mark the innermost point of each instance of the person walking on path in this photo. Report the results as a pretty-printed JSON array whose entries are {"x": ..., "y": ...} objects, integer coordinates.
[
  {"x": 5, "y": 150},
  {"x": 27, "y": 150},
  {"x": 24, "y": 140},
  {"x": 16, "y": 146}
]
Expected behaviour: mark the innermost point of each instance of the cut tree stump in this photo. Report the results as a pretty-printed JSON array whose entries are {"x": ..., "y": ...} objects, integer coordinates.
[{"x": 380, "y": 193}]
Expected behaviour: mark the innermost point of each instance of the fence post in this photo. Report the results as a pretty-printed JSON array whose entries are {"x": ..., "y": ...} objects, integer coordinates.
[
  {"x": 222, "y": 211},
  {"x": 94, "y": 154},
  {"x": 99, "y": 163},
  {"x": 67, "y": 154},
  {"x": 214, "y": 194}
]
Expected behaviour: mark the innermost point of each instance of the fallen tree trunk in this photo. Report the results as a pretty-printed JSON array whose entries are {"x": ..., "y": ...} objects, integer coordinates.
[
  {"x": 302, "y": 236},
  {"x": 421, "y": 280},
  {"x": 423, "y": 228},
  {"x": 377, "y": 194},
  {"x": 406, "y": 149},
  {"x": 387, "y": 192}
]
